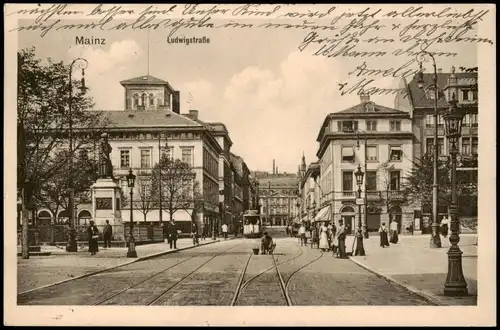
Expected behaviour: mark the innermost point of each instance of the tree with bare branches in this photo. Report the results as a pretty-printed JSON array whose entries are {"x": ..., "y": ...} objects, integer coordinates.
[{"x": 146, "y": 201}]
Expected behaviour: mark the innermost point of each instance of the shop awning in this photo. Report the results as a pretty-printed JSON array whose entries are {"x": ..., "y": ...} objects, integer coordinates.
[{"x": 323, "y": 214}]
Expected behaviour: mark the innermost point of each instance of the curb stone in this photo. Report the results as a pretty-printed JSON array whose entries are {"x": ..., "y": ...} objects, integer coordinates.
[
  {"x": 117, "y": 266},
  {"x": 410, "y": 288}
]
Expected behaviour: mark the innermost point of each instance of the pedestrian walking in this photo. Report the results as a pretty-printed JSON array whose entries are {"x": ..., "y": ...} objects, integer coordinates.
[
  {"x": 172, "y": 234},
  {"x": 107, "y": 233},
  {"x": 194, "y": 234},
  {"x": 341, "y": 236},
  {"x": 93, "y": 235},
  {"x": 384, "y": 241},
  {"x": 302, "y": 235},
  {"x": 323, "y": 238},
  {"x": 224, "y": 231},
  {"x": 329, "y": 235},
  {"x": 290, "y": 230},
  {"x": 394, "y": 232}
]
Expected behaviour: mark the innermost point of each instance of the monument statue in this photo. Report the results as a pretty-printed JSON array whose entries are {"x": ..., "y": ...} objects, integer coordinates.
[{"x": 105, "y": 167}]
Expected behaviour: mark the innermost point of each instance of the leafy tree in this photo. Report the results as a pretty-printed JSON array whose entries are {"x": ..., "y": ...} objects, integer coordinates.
[
  {"x": 43, "y": 118},
  {"x": 417, "y": 185},
  {"x": 385, "y": 183},
  {"x": 178, "y": 183}
]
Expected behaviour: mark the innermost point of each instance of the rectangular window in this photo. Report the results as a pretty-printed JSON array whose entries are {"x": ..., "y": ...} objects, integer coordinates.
[
  {"x": 347, "y": 181},
  {"x": 473, "y": 119},
  {"x": 349, "y": 126},
  {"x": 395, "y": 125},
  {"x": 371, "y": 180},
  {"x": 474, "y": 95},
  {"x": 466, "y": 146},
  {"x": 371, "y": 125},
  {"x": 431, "y": 93},
  {"x": 440, "y": 146},
  {"x": 348, "y": 154},
  {"x": 429, "y": 120},
  {"x": 395, "y": 154},
  {"x": 466, "y": 120},
  {"x": 187, "y": 156},
  {"x": 465, "y": 94},
  {"x": 371, "y": 153},
  {"x": 429, "y": 145},
  {"x": 145, "y": 158},
  {"x": 124, "y": 158},
  {"x": 474, "y": 148},
  {"x": 440, "y": 121},
  {"x": 394, "y": 180}
]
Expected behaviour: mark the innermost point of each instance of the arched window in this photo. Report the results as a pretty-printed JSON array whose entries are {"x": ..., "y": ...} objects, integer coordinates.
[
  {"x": 143, "y": 99},
  {"x": 136, "y": 100},
  {"x": 151, "y": 99},
  {"x": 347, "y": 209}
]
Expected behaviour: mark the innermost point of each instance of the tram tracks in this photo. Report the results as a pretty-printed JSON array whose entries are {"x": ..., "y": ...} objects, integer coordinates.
[
  {"x": 282, "y": 283},
  {"x": 169, "y": 289}
]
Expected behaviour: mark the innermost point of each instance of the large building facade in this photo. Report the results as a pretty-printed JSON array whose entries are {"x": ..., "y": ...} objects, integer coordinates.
[
  {"x": 419, "y": 104},
  {"x": 377, "y": 139},
  {"x": 151, "y": 125}
]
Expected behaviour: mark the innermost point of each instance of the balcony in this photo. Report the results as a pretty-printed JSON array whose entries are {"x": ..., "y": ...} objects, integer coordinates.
[
  {"x": 373, "y": 195},
  {"x": 349, "y": 194},
  {"x": 396, "y": 196}
]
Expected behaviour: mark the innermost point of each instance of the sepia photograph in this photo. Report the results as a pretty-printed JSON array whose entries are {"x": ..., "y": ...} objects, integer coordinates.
[{"x": 249, "y": 164}]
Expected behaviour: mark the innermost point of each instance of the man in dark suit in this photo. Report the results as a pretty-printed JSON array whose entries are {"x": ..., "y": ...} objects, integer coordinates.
[{"x": 172, "y": 234}]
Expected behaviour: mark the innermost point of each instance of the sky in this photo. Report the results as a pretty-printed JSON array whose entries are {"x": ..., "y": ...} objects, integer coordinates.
[{"x": 271, "y": 97}]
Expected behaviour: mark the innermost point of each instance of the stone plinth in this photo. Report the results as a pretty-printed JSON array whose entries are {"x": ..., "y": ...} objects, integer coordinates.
[{"x": 106, "y": 205}]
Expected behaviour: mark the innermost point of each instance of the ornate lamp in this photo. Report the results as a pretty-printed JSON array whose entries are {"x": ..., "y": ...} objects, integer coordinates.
[
  {"x": 360, "y": 249},
  {"x": 455, "y": 284},
  {"x": 359, "y": 176},
  {"x": 131, "y": 253}
]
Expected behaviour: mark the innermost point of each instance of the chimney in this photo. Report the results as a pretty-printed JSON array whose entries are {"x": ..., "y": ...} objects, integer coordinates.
[
  {"x": 193, "y": 114},
  {"x": 365, "y": 97},
  {"x": 440, "y": 70},
  {"x": 274, "y": 167},
  {"x": 277, "y": 170},
  {"x": 176, "y": 102}
]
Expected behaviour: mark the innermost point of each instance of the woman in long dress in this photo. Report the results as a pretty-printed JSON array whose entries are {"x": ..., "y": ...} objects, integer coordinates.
[
  {"x": 394, "y": 232},
  {"x": 323, "y": 238},
  {"x": 93, "y": 234},
  {"x": 383, "y": 235}
]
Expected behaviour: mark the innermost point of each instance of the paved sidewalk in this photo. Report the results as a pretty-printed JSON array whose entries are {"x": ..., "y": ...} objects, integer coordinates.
[
  {"x": 421, "y": 269},
  {"x": 40, "y": 271}
]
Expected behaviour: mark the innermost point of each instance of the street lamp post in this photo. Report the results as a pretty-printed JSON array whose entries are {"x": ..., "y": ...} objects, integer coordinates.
[
  {"x": 131, "y": 253},
  {"x": 365, "y": 231},
  {"x": 435, "y": 241},
  {"x": 455, "y": 284},
  {"x": 71, "y": 245},
  {"x": 360, "y": 249}
]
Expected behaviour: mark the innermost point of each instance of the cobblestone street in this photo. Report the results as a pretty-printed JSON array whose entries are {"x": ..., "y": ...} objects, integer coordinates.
[{"x": 227, "y": 273}]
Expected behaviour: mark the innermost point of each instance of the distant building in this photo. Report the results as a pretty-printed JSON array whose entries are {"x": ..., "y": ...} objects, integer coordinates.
[{"x": 278, "y": 195}]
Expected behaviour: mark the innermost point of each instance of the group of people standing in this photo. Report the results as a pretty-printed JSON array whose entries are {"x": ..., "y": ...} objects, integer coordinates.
[
  {"x": 391, "y": 232},
  {"x": 328, "y": 237}
]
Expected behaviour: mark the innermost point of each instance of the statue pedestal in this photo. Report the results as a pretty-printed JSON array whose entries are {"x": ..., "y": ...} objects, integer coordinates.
[{"x": 106, "y": 205}]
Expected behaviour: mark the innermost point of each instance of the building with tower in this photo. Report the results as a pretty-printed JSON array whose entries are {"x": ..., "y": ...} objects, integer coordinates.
[{"x": 151, "y": 124}]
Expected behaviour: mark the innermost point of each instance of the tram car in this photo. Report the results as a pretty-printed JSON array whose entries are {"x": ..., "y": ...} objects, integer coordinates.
[{"x": 252, "y": 224}]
